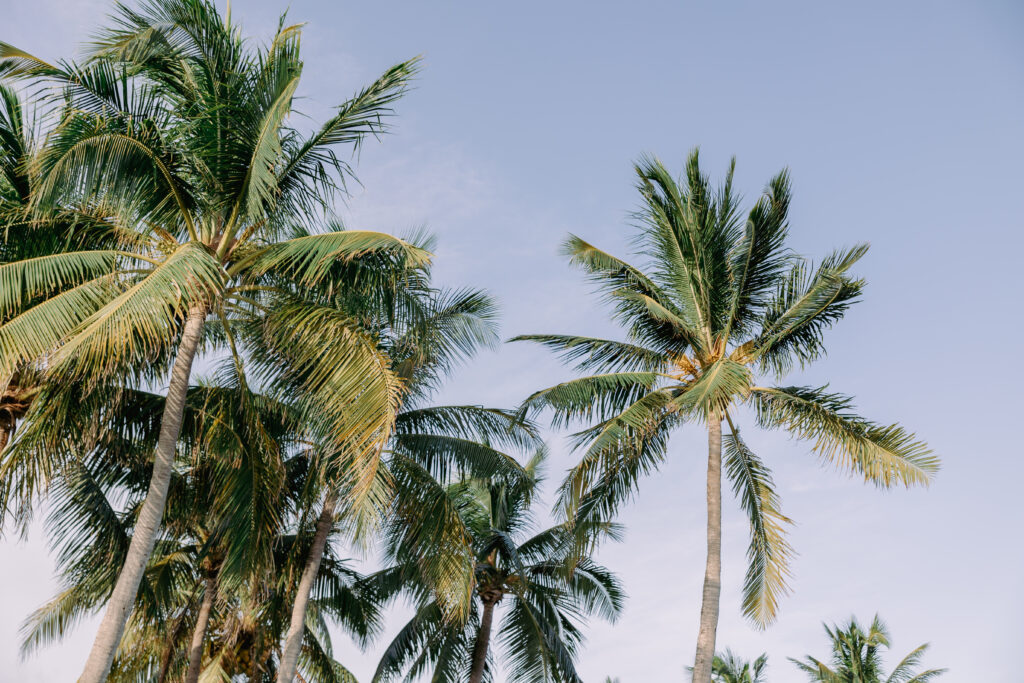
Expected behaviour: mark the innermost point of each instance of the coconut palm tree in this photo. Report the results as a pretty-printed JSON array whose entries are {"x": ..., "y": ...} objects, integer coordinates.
[
  {"x": 173, "y": 140},
  {"x": 856, "y": 657},
  {"x": 717, "y": 301},
  {"x": 729, "y": 668},
  {"x": 551, "y": 589}
]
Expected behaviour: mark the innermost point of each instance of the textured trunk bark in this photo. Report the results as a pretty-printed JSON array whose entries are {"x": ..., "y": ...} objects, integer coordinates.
[
  {"x": 483, "y": 641},
  {"x": 144, "y": 537},
  {"x": 293, "y": 640},
  {"x": 713, "y": 570},
  {"x": 195, "y": 650}
]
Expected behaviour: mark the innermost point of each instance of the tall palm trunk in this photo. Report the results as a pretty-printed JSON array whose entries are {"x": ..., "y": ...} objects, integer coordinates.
[
  {"x": 483, "y": 641},
  {"x": 713, "y": 570},
  {"x": 293, "y": 640},
  {"x": 195, "y": 650},
  {"x": 144, "y": 537}
]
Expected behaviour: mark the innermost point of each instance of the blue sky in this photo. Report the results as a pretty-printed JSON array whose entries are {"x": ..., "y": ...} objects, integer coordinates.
[{"x": 902, "y": 126}]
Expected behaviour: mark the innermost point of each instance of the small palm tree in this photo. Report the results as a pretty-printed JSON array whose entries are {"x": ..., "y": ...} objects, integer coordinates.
[
  {"x": 856, "y": 657},
  {"x": 719, "y": 299},
  {"x": 547, "y": 586},
  {"x": 173, "y": 142},
  {"x": 729, "y": 668}
]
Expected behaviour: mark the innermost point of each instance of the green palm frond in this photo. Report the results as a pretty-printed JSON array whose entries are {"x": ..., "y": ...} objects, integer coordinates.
[
  {"x": 307, "y": 260},
  {"x": 856, "y": 657},
  {"x": 259, "y": 189},
  {"x": 634, "y": 296},
  {"x": 22, "y": 281},
  {"x": 769, "y": 552},
  {"x": 349, "y": 395},
  {"x": 884, "y": 455},
  {"x": 40, "y": 330},
  {"x": 312, "y": 162},
  {"x": 541, "y": 641},
  {"x": 141, "y": 321},
  {"x": 760, "y": 257},
  {"x": 598, "y": 397},
  {"x": 589, "y": 353},
  {"x": 428, "y": 529},
  {"x": 808, "y": 301}
]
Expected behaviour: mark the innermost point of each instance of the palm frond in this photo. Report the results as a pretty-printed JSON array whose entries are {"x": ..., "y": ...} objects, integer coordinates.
[
  {"x": 769, "y": 552},
  {"x": 884, "y": 455}
]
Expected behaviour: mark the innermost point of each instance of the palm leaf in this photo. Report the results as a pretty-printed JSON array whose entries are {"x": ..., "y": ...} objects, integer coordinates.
[
  {"x": 769, "y": 552},
  {"x": 884, "y": 455}
]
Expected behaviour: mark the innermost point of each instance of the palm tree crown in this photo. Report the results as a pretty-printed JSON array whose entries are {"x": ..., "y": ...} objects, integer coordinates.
[
  {"x": 549, "y": 587},
  {"x": 856, "y": 657}
]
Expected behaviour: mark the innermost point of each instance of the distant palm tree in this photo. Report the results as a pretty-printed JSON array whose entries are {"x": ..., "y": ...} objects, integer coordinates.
[
  {"x": 729, "y": 668},
  {"x": 720, "y": 297},
  {"x": 550, "y": 589},
  {"x": 173, "y": 140},
  {"x": 856, "y": 658}
]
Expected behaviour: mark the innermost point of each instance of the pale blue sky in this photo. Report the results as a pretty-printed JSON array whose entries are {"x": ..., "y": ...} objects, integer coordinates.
[{"x": 902, "y": 126}]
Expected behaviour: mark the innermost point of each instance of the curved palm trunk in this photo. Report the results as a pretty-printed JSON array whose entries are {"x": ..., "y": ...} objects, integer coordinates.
[
  {"x": 195, "y": 650},
  {"x": 293, "y": 640},
  {"x": 144, "y": 537},
  {"x": 483, "y": 641},
  {"x": 713, "y": 570}
]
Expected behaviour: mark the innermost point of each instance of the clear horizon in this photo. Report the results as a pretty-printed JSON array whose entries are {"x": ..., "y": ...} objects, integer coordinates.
[{"x": 901, "y": 125}]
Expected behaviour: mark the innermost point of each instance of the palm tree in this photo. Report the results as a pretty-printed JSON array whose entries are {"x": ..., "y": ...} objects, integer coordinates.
[
  {"x": 856, "y": 657},
  {"x": 729, "y": 668},
  {"x": 174, "y": 143},
  {"x": 550, "y": 587},
  {"x": 717, "y": 299}
]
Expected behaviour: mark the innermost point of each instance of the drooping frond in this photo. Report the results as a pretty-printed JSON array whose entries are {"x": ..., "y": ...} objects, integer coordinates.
[
  {"x": 769, "y": 552},
  {"x": 141, "y": 321},
  {"x": 346, "y": 391},
  {"x": 428, "y": 530}
]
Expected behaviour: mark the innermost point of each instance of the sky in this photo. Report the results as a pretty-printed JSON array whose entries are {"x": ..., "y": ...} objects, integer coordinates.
[{"x": 901, "y": 124}]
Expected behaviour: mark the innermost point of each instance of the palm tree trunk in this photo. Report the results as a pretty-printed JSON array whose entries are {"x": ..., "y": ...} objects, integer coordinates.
[
  {"x": 168, "y": 653},
  {"x": 483, "y": 641},
  {"x": 195, "y": 650},
  {"x": 293, "y": 641},
  {"x": 148, "y": 525},
  {"x": 713, "y": 570}
]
